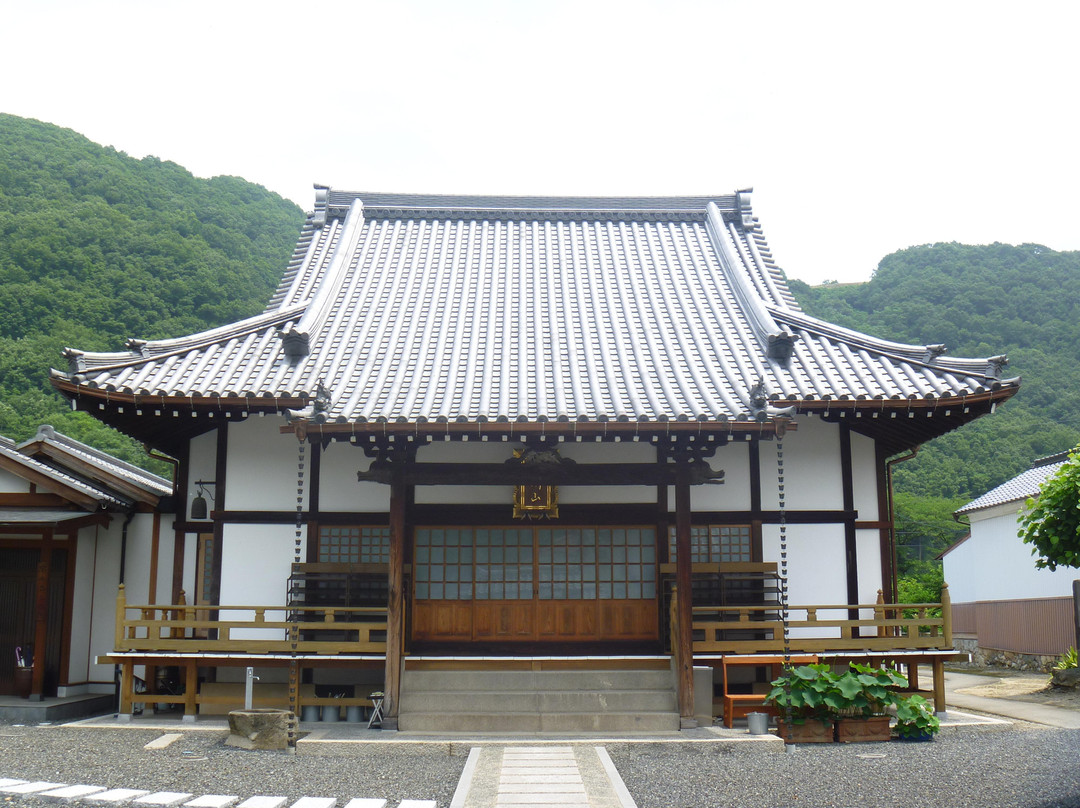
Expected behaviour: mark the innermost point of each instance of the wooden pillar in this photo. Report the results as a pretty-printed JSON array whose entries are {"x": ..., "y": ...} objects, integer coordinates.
[
  {"x": 937, "y": 667},
  {"x": 191, "y": 689},
  {"x": 41, "y": 616},
  {"x": 395, "y": 613},
  {"x": 684, "y": 653},
  {"x": 127, "y": 688}
]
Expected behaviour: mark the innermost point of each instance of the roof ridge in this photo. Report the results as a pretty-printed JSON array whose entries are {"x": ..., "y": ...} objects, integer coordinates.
[{"x": 931, "y": 356}]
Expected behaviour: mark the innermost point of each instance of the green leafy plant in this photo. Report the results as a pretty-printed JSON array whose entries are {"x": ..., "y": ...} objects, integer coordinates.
[
  {"x": 1051, "y": 522},
  {"x": 915, "y": 718},
  {"x": 815, "y": 691},
  {"x": 1066, "y": 661},
  {"x": 799, "y": 693},
  {"x": 864, "y": 690}
]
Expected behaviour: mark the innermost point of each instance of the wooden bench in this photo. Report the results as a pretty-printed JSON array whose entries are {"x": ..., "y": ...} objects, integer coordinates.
[{"x": 739, "y": 705}]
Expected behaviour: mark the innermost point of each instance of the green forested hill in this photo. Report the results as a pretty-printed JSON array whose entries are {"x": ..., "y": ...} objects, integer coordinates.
[
  {"x": 980, "y": 301},
  {"x": 97, "y": 247}
]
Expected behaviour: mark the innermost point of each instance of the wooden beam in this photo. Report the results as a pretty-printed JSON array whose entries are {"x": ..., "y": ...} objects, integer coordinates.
[{"x": 649, "y": 474}]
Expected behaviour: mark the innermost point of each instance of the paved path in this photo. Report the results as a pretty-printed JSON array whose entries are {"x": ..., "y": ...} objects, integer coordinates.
[
  {"x": 955, "y": 683},
  {"x": 573, "y": 776}
]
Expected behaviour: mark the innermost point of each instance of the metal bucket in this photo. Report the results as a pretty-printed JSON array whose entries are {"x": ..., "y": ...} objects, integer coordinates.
[
  {"x": 354, "y": 713},
  {"x": 758, "y": 723},
  {"x": 309, "y": 712},
  {"x": 331, "y": 714}
]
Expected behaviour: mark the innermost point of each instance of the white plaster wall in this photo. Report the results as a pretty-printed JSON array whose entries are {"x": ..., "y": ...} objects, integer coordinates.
[
  {"x": 137, "y": 558},
  {"x": 262, "y": 467},
  {"x": 864, "y": 476},
  {"x": 82, "y": 606},
  {"x": 994, "y": 564},
  {"x": 191, "y": 551},
  {"x": 734, "y": 493},
  {"x": 817, "y": 573},
  {"x": 339, "y": 489},
  {"x": 255, "y": 565},
  {"x": 962, "y": 569},
  {"x": 812, "y": 478},
  {"x": 868, "y": 553},
  {"x": 12, "y": 483},
  {"x": 166, "y": 543},
  {"x": 103, "y": 599},
  {"x": 202, "y": 464}
]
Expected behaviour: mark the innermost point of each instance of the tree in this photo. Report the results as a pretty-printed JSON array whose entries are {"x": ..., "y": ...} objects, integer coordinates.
[{"x": 1051, "y": 521}]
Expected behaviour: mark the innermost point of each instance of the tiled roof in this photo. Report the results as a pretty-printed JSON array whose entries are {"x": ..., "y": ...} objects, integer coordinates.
[
  {"x": 70, "y": 449},
  {"x": 414, "y": 308},
  {"x": 1020, "y": 487},
  {"x": 15, "y": 460}
]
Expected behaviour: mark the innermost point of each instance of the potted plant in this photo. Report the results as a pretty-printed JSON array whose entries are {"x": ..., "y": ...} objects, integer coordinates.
[
  {"x": 798, "y": 695},
  {"x": 915, "y": 719},
  {"x": 860, "y": 699}
]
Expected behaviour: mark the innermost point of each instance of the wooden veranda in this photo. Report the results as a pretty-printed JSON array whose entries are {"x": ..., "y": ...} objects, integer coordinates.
[{"x": 299, "y": 638}]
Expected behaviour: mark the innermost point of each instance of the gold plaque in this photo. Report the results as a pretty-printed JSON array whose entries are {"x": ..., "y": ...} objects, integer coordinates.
[{"x": 536, "y": 501}]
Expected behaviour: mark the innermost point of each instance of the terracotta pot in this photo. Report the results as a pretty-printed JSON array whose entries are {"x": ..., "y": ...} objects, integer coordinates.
[
  {"x": 858, "y": 730},
  {"x": 810, "y": 731}
]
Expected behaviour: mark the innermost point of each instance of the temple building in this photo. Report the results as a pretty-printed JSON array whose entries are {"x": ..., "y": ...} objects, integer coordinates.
[{"x": 472, "y": 435}]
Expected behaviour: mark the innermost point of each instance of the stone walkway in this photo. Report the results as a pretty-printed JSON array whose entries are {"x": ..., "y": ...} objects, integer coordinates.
[{"x": 577, "y": 776}]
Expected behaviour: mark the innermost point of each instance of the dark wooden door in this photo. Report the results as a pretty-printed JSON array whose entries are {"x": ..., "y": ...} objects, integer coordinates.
[{"x": 18, "y": 587}]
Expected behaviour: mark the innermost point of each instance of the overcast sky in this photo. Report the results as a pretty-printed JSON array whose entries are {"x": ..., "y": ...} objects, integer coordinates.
[{"x": 863, "y": 127}]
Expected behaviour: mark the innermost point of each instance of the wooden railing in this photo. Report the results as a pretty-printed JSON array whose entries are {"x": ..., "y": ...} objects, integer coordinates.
[
  {"x": 881, "y": 627},
  {"x": 248, "y": 629}
]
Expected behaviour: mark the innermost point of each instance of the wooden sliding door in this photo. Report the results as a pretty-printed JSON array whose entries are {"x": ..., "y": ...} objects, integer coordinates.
[{"x": 534, "y": 584}]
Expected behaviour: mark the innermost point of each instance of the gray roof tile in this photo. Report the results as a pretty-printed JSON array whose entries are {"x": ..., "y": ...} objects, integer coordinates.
[
  {"x": 422, "y": 308},
  {"x": 1019, "y": 488}
]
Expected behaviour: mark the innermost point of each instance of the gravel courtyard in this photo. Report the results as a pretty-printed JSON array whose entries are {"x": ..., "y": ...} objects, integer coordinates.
[{"x": 1024, "y": 765}]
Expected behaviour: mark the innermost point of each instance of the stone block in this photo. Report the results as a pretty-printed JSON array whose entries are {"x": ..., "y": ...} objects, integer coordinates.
[{"x": 264, "y": 728}]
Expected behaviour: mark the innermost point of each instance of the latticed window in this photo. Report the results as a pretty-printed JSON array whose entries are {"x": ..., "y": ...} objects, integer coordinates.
[
  {"x": 572, "y": 563},
  {"x": 723, "y": 544},
  {"x": 354, "y": 545}
]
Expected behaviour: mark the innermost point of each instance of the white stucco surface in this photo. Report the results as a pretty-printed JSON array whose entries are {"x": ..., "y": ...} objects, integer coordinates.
[
  {"x": 12, "y": 483},
  {"x": 262, "y": 467},
  {"x": 817, "y": 574},
  {"x": 734, "y": 493},
  {"x": 812, "y": 479},
  {"x": 994, "y": 564},
  {"x": 203, "y": 457},
  {"x": 864, "y": 477},
  {"x": 339, "y": 489},
  {"x": 255, "y": 565}
]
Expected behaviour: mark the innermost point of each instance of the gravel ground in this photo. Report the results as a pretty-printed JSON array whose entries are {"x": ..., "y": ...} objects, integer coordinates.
[
  {"x": 200, "y": 763},
  {"x": 1025, "y": 766}
]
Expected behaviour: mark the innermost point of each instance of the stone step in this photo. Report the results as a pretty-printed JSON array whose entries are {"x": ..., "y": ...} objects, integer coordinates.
[
  {"x": 466, "y": 680},
  {"x": 539, "y": 722},
  {"x": 539, "y": 701},
  {"x": 614, "y": 701}
]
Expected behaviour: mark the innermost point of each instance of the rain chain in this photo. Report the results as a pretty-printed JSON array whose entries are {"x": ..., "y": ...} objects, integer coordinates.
[
  {"x": 294, "y": 629},
  {"x": 783, "y": 572}
]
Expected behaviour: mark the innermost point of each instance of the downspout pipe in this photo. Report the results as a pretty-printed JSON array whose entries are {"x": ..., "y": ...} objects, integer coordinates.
[{"x": 893, "y": 577}]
